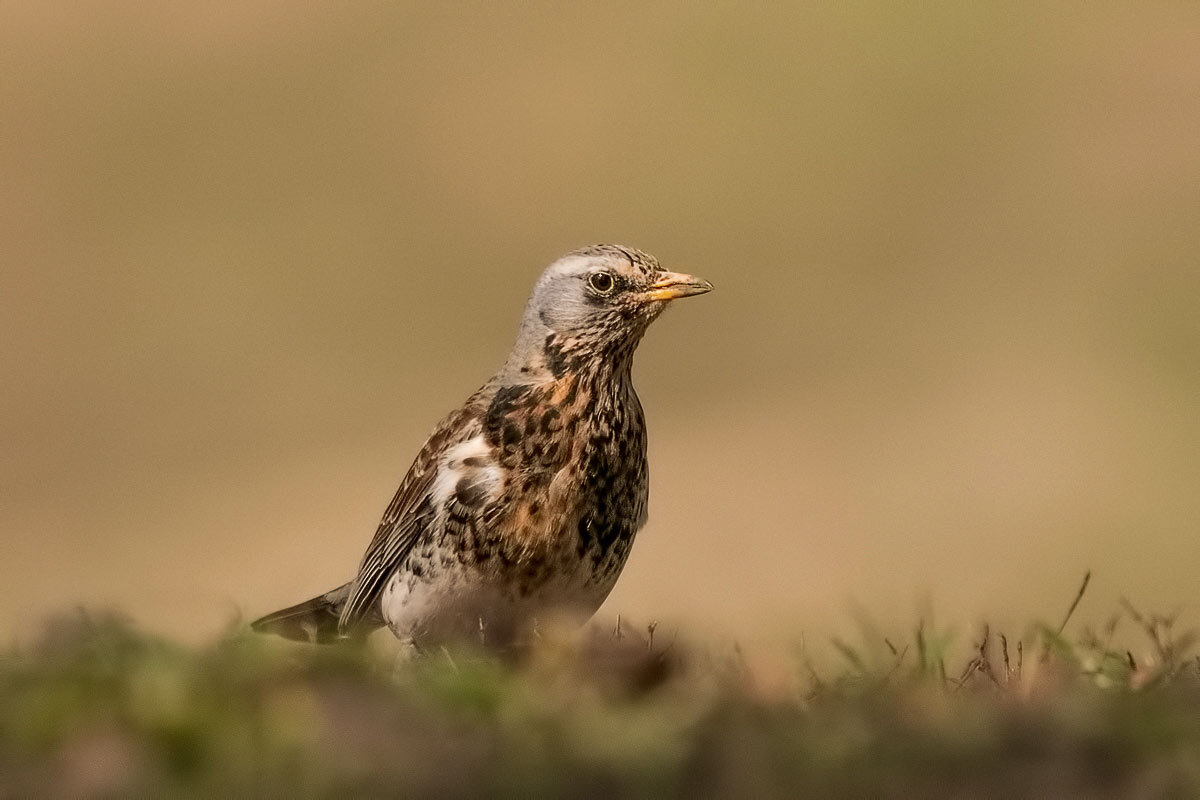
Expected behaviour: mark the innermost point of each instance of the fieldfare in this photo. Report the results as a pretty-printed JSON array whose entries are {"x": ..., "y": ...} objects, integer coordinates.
[{"x": 525, "y": 500}]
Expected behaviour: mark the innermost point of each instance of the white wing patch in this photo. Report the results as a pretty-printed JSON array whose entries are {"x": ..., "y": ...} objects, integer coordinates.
[{"x": 483, "y": 471}]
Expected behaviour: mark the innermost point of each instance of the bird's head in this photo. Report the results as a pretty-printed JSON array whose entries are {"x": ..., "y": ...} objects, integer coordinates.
[{"x": 595, "y": 303}]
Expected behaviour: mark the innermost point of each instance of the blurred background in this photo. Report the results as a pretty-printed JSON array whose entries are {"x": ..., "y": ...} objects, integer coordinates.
[{"x": 252, "y": 251}]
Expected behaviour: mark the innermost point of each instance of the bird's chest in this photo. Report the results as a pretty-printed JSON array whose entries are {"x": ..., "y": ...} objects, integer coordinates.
[
  {"x": 543, "y": 511},
  {"x": 574, "y": 457},
  {"x": 613, "y": 492}
]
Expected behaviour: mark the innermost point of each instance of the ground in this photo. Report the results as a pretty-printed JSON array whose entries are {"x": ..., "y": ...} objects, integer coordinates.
[{"x": 97, "y": 708}]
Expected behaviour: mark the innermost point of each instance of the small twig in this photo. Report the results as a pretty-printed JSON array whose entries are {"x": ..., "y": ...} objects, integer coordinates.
[
  {"x": 900, "y": 660},
  {"x": 1004, "y": 652},
  {"x": 985, "y": 661},
  {"x": 1087, "y": 576},
  {"x": 1110, "y": 630},
  {"x": 967, "y": 673},
  {"x": 1150, "y": 626},
  {"x": 1133, "y": 612},
  {"x": 850, "y": 654},
  {"x": 617, "y": 633},
  {"x": 1020, "y": 657},
  {"x": 1049, "y": 641},
  {"x": 1132, "y": 661},
  {"x": 650, "y": 631},
  {"x": 891, "y": 646}
]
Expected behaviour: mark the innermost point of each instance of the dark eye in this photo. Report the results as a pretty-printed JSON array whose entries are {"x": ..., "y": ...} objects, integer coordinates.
[{"x": 601, "y": 282}]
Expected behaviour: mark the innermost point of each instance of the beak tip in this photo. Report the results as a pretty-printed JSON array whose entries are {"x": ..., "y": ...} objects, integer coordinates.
[{"x": 673, "y": 285}]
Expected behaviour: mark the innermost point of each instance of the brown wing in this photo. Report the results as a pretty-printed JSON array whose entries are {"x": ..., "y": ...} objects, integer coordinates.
[{"x": 408, "y": 518}]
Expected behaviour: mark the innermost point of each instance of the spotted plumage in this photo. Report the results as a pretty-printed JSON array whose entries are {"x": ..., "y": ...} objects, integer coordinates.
[{"x": 526, "y": 499}]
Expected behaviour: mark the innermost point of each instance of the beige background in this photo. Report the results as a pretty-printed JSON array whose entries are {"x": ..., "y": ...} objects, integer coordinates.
[{"x": 252, "y": 251}]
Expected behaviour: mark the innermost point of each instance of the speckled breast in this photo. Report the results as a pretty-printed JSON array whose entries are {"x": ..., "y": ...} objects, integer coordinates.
[{"x": 556, "y": 531}]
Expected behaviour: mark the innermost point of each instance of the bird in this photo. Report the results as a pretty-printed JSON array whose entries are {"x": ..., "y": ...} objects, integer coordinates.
[{"x": 524, "y": 502}]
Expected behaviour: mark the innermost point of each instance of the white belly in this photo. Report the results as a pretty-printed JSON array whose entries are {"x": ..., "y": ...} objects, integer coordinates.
[{"x": 457, "y": 604}]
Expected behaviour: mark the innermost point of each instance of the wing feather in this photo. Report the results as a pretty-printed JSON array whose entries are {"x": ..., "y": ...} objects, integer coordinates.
[{"x": 408, "y": 518}]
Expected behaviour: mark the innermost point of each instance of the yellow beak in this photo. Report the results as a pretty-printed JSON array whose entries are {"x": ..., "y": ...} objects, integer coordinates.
[{"x": 673, "y": 285}]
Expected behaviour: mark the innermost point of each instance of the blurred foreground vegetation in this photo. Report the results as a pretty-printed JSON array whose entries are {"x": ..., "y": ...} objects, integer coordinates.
[{"x": 96, "y": 708}]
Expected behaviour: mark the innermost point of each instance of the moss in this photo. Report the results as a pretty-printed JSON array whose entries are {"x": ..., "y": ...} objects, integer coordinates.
[{"x": 97, "y": 708}]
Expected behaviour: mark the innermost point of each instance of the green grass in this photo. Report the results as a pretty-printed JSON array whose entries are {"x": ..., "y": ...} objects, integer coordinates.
[{"x": 96, "y": 708}]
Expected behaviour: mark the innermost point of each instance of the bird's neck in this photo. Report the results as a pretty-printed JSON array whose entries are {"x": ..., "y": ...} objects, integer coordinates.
[{"x": 542, "y": 356}]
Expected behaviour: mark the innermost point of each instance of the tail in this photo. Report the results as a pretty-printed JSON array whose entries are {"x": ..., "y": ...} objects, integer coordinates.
[{"x": 313, "y": 620}]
